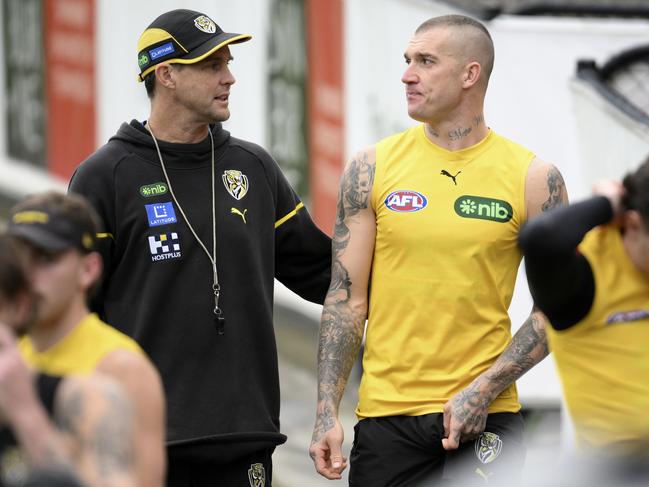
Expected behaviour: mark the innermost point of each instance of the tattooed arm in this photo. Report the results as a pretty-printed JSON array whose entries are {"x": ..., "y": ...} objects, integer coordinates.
[
  {"x": 90, "y": 440},
  {"x": 141, "y": 383},
  {"x": 96, "y": 420},
  {"x": 345, "y": 309},
  {"x": 465, "y": 414}
]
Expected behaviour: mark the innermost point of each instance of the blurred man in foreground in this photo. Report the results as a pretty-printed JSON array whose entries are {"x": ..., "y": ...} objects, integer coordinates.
[
  {"x": 65, "y": 338},
  {"x": 54, "y": 431}
]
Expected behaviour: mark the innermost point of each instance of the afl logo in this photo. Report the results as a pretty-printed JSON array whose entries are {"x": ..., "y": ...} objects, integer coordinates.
[{"x": 405, "y": 201}]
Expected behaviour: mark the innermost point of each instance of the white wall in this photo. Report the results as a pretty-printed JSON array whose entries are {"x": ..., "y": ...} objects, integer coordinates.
[{"x": 611, "y": 142}]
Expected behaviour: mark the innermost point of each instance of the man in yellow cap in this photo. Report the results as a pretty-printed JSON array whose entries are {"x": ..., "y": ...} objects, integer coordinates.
[{"x": 197, "y": 224}]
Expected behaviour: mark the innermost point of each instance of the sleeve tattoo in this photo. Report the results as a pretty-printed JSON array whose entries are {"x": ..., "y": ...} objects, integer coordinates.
[
  {"x": 528, "y": 347},
  {"x": 100, "y": 427},
  {"x": 556, "y": 190},
  {"x": 341, "y": 328}
]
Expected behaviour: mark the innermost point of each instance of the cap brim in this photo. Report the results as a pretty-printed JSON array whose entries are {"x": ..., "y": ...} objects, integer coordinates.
[
  {"x": 201, "y": 52},
  {"x": 40, "y": 238}
]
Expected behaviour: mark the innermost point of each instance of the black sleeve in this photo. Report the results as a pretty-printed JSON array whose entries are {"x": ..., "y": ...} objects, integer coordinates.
[
  {"x": 93, "y": 180},
  {"x": 560, "y": 278},
  {"x": 302, "y": 250}
]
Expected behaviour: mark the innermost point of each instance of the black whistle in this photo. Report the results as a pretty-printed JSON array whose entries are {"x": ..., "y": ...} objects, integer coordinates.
[{"x": 220, "y": 325}]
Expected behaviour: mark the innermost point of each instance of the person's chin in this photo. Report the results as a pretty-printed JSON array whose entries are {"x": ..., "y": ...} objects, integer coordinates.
[
  {"x": 221, "y": 116},
  {"x": 416, "y": 115}
]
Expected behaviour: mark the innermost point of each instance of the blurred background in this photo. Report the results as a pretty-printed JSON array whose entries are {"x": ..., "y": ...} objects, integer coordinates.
[{"x": 320, "y": 80}]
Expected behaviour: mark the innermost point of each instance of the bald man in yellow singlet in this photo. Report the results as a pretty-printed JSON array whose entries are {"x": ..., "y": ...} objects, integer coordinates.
[{"x": 425, "y": 248}]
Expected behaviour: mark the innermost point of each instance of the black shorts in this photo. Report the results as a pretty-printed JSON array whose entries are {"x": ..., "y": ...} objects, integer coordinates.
[
  {"x": 252, "y": 470},
  {"x": 400, "y": 451}
]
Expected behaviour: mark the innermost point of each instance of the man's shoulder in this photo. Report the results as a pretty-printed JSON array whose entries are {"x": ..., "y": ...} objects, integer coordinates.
[
  {"x": 110, "y": 335},
  {"x": 254, "y": 150},
  {"x": 107, "y": 156}
]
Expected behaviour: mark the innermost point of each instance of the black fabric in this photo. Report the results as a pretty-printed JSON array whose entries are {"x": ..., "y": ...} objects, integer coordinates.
[
  {"x": 246, "y": 471},
  {"x": 11, "y": 466},
  {"x": 560, "y": 278},
  {"x": 406, "y": 451},
  {"x": 220, "y": 389}
]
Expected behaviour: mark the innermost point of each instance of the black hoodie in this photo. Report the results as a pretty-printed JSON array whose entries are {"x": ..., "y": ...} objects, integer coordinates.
[{"x": 222, "y": 390}]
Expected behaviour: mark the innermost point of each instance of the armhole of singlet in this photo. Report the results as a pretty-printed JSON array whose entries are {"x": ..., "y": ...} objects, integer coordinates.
[
  {"x": 376, "y": 184},
  {"x": 523, "y": 186}
]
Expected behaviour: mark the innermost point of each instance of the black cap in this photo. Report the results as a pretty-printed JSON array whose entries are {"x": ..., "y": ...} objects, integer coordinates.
[
  {"x": 181, "y": 36},
  {"x": 47, "y": 228}
]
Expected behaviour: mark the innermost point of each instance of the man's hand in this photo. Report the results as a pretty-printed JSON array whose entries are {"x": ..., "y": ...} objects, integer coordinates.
[
  {"x": 465, "y": 417},
  {"x": 17, "y": 388},
  {"x": 326, "y": 447}
]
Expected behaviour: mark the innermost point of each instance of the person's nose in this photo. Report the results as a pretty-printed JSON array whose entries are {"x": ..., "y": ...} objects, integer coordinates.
[
  {"x": 409, "y": 75},
  {"x": 229, "y": 78}
]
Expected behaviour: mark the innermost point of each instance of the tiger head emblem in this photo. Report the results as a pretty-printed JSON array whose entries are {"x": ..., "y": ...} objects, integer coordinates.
[
  {"x": 236, "y": 183},
  {"x": 205, "y": 24},
  {"x": 257, "y": 475},
  {"x": 488, "y": 447}
]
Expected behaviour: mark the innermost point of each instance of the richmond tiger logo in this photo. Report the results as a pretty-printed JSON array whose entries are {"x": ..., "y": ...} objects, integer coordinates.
[
  {"x": 257, "y": 475},
  {"x": 205, "y": 24},
  {"x": 488, "y": 447},
  {"x": 236, "y": 183}
]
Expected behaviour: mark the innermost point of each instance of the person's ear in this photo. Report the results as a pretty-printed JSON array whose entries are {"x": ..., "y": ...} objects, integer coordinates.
[{"x": 91, "y": 268}]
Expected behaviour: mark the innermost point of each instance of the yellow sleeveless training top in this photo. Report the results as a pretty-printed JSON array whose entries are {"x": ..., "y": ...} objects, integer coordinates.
[
  {"x": 79, "y": 351},
  {"x": 444, "y": 269},
  {"x": 603, "y": 360}
]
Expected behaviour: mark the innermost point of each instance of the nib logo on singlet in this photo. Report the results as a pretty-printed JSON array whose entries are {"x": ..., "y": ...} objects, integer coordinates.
[
  {"x": 164, "y": 246},
  {"x": 481, "y": 208}
]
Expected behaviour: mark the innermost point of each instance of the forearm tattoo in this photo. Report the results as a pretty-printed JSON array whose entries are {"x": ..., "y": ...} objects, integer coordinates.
[
  {"x": 341, "y": 328},
  {"x": 466, "y": 403},
  {"x": 556, "y": 190},
  {"x": 69, "y": 411},
  {"x": 528, "y": 347},
  {"x": 113, "y": 437},
  {"x": 102, "y": 430}
]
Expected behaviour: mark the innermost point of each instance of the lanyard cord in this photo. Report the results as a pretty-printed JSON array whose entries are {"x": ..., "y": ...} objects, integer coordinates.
[{"x": 216, "y": 288}]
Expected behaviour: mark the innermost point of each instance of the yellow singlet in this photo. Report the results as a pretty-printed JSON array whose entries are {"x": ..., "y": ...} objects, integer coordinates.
[
  {"x": 603, "y": 360},
  {"x": 444, "y": 269},
  {"x": 81, "y": 350}
]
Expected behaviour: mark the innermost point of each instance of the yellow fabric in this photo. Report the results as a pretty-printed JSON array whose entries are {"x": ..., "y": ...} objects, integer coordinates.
[
  {"x": 441, "y": 283},
  {"x": 80, "y": 350},
  {"x": 604, "y": 364}
]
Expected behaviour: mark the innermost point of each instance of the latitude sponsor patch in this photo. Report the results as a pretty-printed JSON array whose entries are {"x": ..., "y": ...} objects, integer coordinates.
[
  {"x": 160, "y": 214},
  {"x": 160, "y": 51}
]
